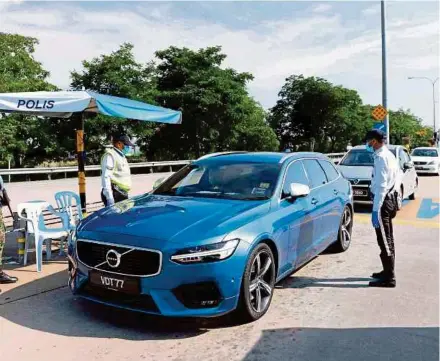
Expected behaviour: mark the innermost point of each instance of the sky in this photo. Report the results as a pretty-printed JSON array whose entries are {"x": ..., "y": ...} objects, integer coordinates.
[{"x": 339, "y": 41}]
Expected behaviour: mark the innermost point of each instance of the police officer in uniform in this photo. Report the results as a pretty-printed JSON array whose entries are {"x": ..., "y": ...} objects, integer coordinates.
[
  {"x": 4, "y": 278},
  {"x": 115, "y": 171},
  {"x": 383, "y": 188}
]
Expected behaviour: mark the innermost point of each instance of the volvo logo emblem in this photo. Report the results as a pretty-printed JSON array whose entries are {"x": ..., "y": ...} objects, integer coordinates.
[
  {"x": 113, "y": 258},
  {"x": 355, "y": 181}
]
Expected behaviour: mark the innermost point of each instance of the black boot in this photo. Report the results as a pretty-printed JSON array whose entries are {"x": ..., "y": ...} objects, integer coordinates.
[
  {"x": 4, "y": 278},
  {"x": 388, "y": 278},
  {"x": 381, "y": 274}
]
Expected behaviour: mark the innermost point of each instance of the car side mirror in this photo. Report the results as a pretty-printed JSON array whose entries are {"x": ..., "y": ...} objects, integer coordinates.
[
  {"x": 298, "y": 190},
  {"x": 408, "y": 165},
  {"x": 158, "y": 183}
]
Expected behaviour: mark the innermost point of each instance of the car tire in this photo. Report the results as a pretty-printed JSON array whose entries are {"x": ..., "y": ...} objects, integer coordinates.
[
  {"x": 257, "y": 288},
  {"x": 344, "y": 233}
]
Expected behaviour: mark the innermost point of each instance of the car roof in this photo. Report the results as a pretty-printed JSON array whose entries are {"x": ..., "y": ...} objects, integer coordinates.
[
  {"x": 426, "y": 148},
  {"x": 258, "y": 157}
]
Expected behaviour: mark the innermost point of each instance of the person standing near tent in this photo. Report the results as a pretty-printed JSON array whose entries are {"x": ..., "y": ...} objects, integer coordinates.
[
  {"x": 4, "y": 201},
  {"x": 115, "y": 171}
]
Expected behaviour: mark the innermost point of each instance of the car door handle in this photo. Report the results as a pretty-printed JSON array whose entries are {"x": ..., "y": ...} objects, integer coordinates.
[
  {"x": 335, "y": 192},
  {"x": 314, "y": 201}
]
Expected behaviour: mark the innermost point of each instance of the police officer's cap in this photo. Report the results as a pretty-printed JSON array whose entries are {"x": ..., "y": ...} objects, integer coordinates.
[
  {"x": 376, "y": 134},
  {"x": 124, "y": 139}
]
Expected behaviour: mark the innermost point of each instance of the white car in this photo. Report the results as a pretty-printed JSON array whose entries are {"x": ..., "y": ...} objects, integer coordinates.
[
  {"x": 426, "y": 160},
  {"x": 357, "y": 167}
]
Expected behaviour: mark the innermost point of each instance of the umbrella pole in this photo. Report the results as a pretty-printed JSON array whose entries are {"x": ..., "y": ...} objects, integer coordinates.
[{"x": 81, "y": 162}]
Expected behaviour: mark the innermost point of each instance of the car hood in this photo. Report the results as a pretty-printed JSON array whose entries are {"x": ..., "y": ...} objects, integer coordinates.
[
  {"x": 424, "y": 159},
  {"x": 356, "y": 172},
  {"x": 179, "y": 219}
]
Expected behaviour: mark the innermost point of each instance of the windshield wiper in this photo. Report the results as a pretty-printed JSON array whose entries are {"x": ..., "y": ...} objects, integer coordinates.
[{"x": 259, "y": 198}]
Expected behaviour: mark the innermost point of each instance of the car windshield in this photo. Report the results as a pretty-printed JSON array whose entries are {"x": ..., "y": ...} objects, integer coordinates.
[
  {"x": 425, "y": 153},
  {"x": 358, "y": 157},
  {"x": 241, "y": 181}
]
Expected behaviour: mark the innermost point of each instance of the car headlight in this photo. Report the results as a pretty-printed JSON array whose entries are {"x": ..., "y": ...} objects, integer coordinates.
[
  {"x": 432, "y": 162},
  {"x": 208, "y": 253}
]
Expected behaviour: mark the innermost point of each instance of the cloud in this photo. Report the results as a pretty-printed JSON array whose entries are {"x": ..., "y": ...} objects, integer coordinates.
[
  {"x": 372, "y": 10},
  {"x": 317, "y": 44},
  {"x": 322, "y": 8}
]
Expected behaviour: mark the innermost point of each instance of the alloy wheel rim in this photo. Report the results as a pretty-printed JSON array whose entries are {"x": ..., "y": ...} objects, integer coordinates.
[
  {"x": 346, "y": 227},
  {"x": 260, "y": 278}
]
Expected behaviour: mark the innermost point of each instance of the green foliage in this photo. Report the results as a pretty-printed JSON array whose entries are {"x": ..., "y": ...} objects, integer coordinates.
[
  {"x": 116, "y": 74},
  {"x": 217, "y": 109},
  {"x": 313, "y": 114},
  {"x": 22, "y": 138},
  {"x": 405, "y": 124}
]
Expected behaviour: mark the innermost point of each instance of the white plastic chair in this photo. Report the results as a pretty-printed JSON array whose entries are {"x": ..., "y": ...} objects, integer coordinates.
[
  {"x": 66, "y": 201},
  {"x": 36, "y": 226}
]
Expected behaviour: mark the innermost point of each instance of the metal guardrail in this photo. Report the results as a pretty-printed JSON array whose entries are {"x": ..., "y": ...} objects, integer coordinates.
[{"x": 54, "y": 170}]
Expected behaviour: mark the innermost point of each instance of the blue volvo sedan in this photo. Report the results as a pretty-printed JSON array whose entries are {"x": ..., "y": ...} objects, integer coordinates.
[{"x": 214, "y": 237}]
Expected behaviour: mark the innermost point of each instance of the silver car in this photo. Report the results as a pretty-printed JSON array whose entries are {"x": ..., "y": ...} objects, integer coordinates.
[{"x": 357, "y": 167}]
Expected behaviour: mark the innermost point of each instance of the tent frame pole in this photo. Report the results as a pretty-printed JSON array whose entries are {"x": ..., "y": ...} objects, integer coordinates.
[{"x": 81, "y": 156}]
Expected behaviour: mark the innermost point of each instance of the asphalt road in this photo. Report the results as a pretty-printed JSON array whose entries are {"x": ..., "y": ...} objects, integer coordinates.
[{"x": 325, "y": 311}]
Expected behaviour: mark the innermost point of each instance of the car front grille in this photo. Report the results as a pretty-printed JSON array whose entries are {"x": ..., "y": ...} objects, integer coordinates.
[
  {"x": 133, "y": 261},
  {"x": 420, "y": 163}
]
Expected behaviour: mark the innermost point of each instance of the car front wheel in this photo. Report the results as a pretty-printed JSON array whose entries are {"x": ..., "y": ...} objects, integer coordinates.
[
  {"x": 344, "y": 232},
  {"x": 257, "y": 285}
]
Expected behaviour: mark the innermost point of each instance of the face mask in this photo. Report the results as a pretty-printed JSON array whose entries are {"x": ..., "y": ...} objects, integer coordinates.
[
  {"x": 370, "y": 149},
  {"x": 127, "y": 150}
]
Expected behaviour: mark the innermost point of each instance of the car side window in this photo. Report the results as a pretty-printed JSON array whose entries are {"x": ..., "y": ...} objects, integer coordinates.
[
  {"x": 295, "y": 174},
  {"x": 401, "y": 158},
  {"x": 329, "y": 169},
  {"x": 407, "y": 156},
  {"x": 315, "y": 173}
]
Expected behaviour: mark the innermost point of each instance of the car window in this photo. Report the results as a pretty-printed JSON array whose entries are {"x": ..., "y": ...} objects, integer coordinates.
[
  {"x": 241, "y": 181},
  {"x": 315, "y": 173},
  {"x": 329, "y": 170},
  {"x": 295, "y": 174},
  {"x": 358, "y": 157},
  {"x": 406, "y": 156},
  {"x": 401, "y": 158},
  {"x": 425, "y": 153}
]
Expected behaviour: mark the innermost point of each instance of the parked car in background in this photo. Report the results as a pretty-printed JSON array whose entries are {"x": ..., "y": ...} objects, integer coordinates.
[
  {"x": 214, "y": 237},
  {"x": 426, "y": 160},
  {"x": 357, "y": 167}
]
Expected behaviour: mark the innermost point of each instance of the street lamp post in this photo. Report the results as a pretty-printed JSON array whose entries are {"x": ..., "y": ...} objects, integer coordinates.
[
  {"x": 433, "y": 95},
  {"x": 384, "y": 68}
]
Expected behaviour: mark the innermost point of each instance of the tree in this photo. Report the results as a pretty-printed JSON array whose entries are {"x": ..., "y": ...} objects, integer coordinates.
[
  {"x": 217, "y": 109},
  {"x": 405, "y": 124},
  {"x": 22, "y": 138},
  {"x": 117, "y": 74},
  {"x": 313, "y": 114}
]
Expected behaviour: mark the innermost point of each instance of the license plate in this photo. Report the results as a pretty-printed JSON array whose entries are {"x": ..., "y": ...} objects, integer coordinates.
[
  {"x": 359, "y": 193},
  {"x": 114, "y": 282}
]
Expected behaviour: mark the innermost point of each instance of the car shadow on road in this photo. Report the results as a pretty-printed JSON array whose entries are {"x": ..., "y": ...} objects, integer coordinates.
[
  {"x": 306, "y": 282},
  {"x": 339, "y": 344},
  {"x": 47, "y": 305}
]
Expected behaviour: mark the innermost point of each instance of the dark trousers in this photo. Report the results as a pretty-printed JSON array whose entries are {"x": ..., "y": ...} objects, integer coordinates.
[
  {"x": 117, "y": 196},
  {"x": 385, "y": 237}
]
